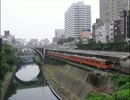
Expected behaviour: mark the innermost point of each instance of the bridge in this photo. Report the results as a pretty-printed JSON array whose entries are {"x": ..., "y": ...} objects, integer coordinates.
[
  {"x": 40, "y": 48},
  {"x": 40, "y": 81},
  {"x": 27, "y": 56},
  {"x": 24, "y": 85}
]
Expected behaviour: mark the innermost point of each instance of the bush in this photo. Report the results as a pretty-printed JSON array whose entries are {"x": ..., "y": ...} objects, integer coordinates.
[
  {"x": 121, "y": 80},
  {"x": 122, "y": 95},
  {"x": 7, "y": 59},
  {"x": 94, "y": 96},
  {"x": 123, "y": 46}
]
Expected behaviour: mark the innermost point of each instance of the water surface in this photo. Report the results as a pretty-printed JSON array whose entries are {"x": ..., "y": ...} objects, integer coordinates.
[{"x": 29, "y": 84}]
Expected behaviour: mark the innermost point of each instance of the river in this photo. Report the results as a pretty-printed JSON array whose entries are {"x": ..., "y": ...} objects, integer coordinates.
[{"x": 29, "y": 84}]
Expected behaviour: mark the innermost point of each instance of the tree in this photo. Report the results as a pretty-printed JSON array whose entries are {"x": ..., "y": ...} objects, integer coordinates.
[
  {"x": 2, "y": 61},
  {"x": 7, "y": 59},
  {"x": 70, "y": 39},
  {"x": 9, "y": 53},
  {"x": 61, "y": 41}
]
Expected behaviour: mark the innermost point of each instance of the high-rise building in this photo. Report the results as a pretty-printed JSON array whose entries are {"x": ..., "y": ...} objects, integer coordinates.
[
  {"x": 6, "y": 33},
  {"x": 110, "y": 9},
  {"x": 128, "y": 24},
  {"x": 77, "y": 19},
  {"x": 121, "y": 27},
  {"x": 95, "y": 26},
  {"x": 59, "y": 33},
  {"x": 101, "y": 34}
]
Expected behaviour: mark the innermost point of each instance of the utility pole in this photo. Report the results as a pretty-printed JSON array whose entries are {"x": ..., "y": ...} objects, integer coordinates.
[
  {"x": 127, "y": 11},
  {"x": 128, "y": 14}
]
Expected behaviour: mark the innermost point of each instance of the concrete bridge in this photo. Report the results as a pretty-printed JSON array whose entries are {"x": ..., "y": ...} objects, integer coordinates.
[
  {"x": 42, "y": 48},
  {"x": 39, "y": 49},
  {"x": 27, "y": 56},
  {"x": 24, "y": 85}
]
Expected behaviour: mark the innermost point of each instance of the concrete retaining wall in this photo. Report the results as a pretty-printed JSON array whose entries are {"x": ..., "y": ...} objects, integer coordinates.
[
  {"x": 76, "y": 82},
  {"x": 77, "y": 88}
]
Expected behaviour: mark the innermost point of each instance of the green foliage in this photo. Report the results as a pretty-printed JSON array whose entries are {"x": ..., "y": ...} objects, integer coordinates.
[
  {"x": 123, "y": 46},
  {"x": 7, "y": 59},
  {"x": 125, "y": 86},
  {"x": 90, "y": 41},
  {"x": 11, "y": 60},
  {"x": 122, "y": 95},
  {"x": 121, "y": 80},
  {"x": 70, "y": 39},
  {"x": 9, "y": 54},
  {"x": 62, "y": 41},
  {"x": 38, "y": 59},
  {"x": 119, "y": 95},
  {"x": 94, "y": 96},
  {"x": 7, "y": 49}
]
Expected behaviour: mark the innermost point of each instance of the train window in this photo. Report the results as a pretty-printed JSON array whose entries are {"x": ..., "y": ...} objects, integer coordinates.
[
  {"x": 97, "y": 62},
  {"x": 109, "y": 62}
]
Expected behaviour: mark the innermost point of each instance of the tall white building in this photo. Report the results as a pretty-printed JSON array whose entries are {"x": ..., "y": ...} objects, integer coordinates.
[
  {"x": 77, "y": 19},
  {"x": 110, "y": 9}
]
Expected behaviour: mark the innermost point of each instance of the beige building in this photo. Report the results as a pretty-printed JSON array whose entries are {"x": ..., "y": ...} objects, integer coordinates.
[
  {"x": 110, "y": 9},
  {"x": 85, "y": 35}
]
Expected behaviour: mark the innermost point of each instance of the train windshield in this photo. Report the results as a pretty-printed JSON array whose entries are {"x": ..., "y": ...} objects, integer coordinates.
[{"x": 109, "y": 62}]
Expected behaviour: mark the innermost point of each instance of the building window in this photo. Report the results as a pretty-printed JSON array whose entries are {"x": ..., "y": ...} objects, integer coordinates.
[{"x": 115, "y": 33}]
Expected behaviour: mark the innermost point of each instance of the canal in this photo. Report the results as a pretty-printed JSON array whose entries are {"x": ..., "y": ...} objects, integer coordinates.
[{"x": 29, "y": 84}]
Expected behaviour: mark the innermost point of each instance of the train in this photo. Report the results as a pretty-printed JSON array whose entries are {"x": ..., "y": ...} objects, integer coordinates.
[{"x": 92, "y": 61}]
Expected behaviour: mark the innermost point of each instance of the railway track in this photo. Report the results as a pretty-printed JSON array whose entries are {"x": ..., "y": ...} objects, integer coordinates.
[
  {"x": 91, "y": 68},
  {"x": 119, "y": 59}
]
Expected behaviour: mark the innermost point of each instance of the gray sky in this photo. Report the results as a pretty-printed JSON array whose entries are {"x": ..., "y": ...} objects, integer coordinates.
[{"x": 38, "y": 18}]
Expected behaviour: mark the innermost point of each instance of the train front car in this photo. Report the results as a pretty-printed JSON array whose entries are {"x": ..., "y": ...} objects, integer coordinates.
[
  {"x": 109, "y": 64},
  {"x": 102, "y": 63}
]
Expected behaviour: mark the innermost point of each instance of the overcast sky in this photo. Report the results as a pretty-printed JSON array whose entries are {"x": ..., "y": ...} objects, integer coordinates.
[{"x": 38, "y": 18}]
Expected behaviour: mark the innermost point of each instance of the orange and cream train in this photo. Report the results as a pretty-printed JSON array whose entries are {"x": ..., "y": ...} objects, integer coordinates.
[{"x": 95, "y": 62}]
